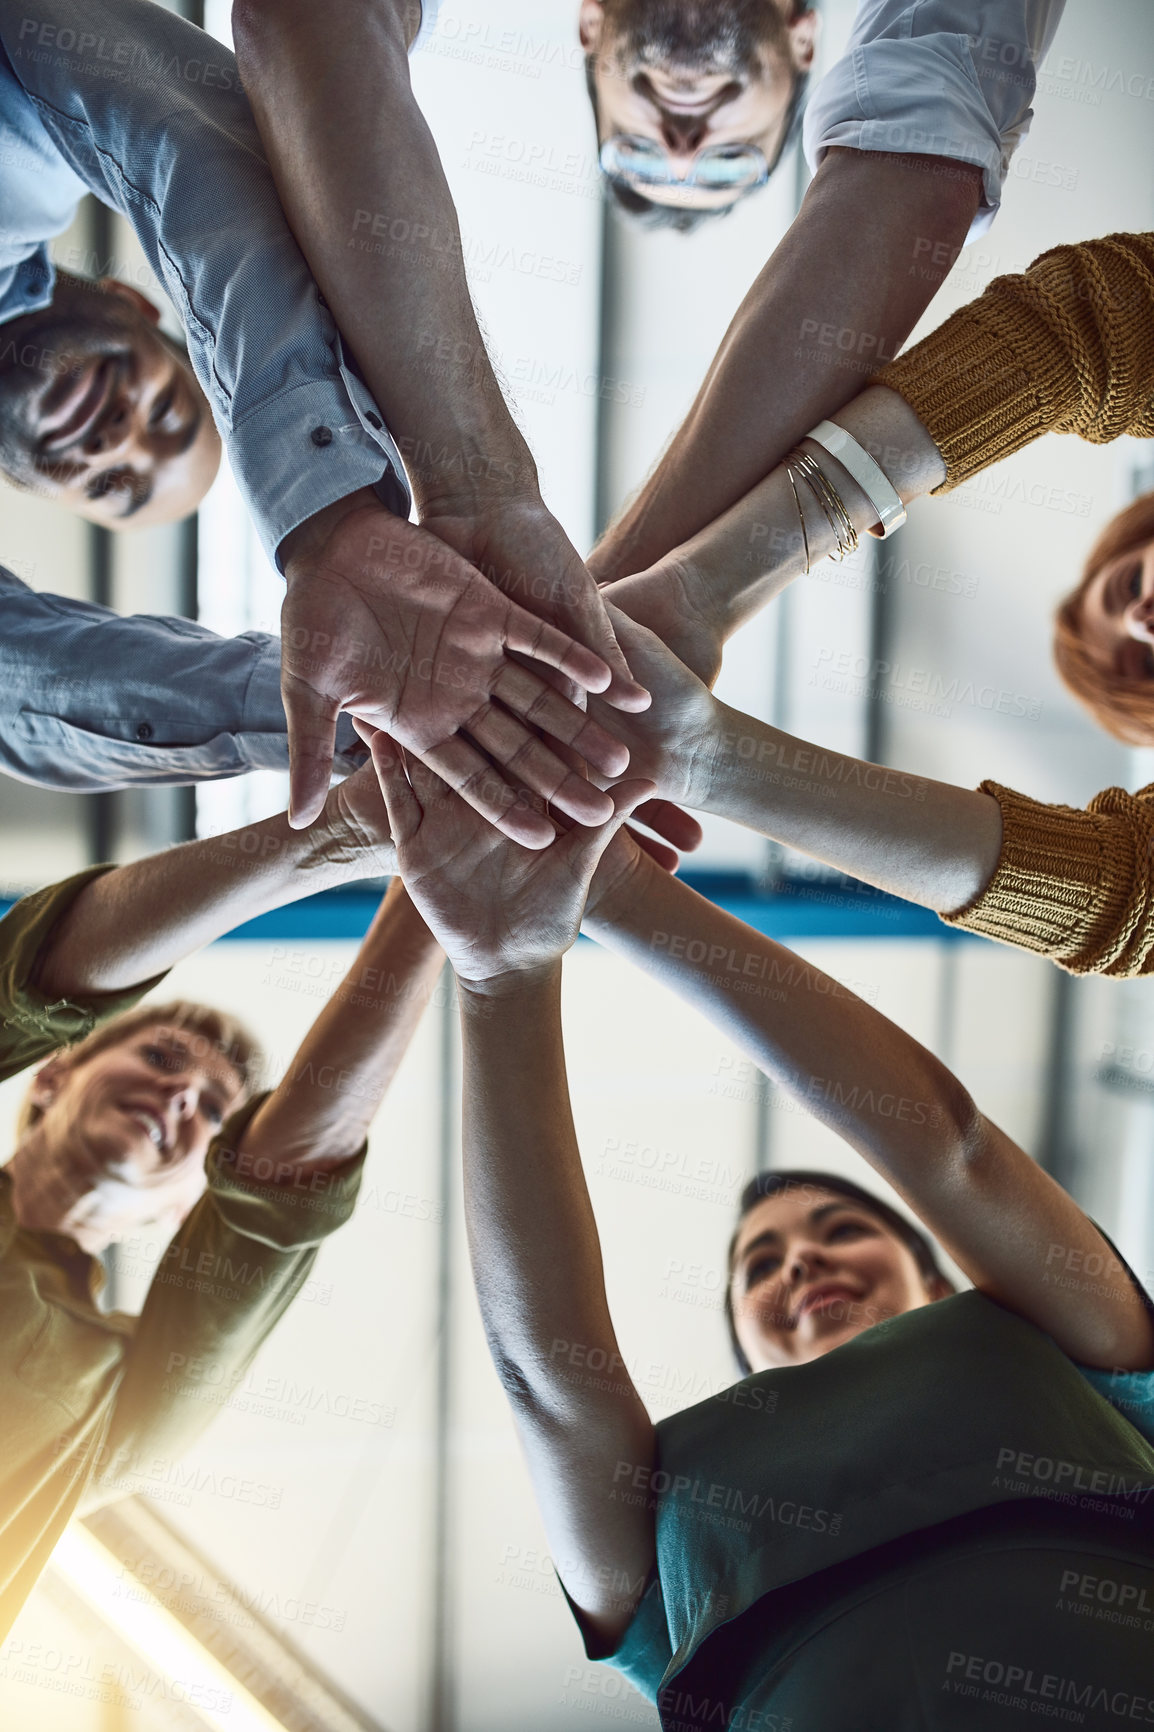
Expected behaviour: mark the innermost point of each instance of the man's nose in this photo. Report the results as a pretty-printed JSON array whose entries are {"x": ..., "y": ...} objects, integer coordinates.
[
  {"x": 683, "y": 135},
  {"x": 113, "y": 434}
]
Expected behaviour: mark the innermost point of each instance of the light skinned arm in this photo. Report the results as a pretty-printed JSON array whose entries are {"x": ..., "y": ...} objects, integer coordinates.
[
  {"x": 505, "y": 917},
  {"x": 703, "y": 591},
  {"x": 930, "y": 842},
  {"x": 996, "y": 1212},
  {"x": 138, "y": 920},
  {"x": 858, "y": 266},
  {"x": 319, "y": 1114},
  {"x": 362, "y": 185}
]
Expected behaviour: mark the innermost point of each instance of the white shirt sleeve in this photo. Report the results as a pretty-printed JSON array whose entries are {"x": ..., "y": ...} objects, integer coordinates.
[{"x": 950, "y": 78}]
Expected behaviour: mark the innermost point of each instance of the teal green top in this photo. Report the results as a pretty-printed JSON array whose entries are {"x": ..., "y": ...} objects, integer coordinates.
[{"x": 934, "y": 1415}]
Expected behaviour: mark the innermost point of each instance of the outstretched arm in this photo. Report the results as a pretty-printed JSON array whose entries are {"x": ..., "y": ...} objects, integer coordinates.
[
  {"x": 859, "y": 266},
  {"x": 505, "y": 917},
  {"x": 138, "y": 920},
  {"x": 358, "y": 173},
  {"x": 1061, "y": 347},
  {"x": 319, "y": 1114},
  {"x": 996, "y": 1212},
  {"x": 927, "y": 841}
]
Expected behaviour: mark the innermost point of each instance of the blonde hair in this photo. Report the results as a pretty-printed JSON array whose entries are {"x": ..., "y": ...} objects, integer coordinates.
[
  {"x": 225, "y": 1034},
  {"x": 1123, "y": 706}
]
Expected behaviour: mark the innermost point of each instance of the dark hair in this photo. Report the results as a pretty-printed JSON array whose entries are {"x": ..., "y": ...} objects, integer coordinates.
[
  {"x": 652, "y": 215},
  {"x": 795, "y": 1179}
]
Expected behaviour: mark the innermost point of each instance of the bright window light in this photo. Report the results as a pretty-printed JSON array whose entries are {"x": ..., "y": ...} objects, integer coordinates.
[{"x": 94, "y": 1573}]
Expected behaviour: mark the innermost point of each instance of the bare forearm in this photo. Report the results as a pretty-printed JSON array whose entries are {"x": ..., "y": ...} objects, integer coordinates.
[
  {"x": 320, "y": 1113},
  {"x": 851, "y": 278},
  {"x": 541, "y": 1288},
  {"x": 927, "y": 841},
  {"x": 139, "y": 920},
  {"x": 756, "y": 548},
  {"x": 362, "y": 184},
  {"x": 536, "y": 1254},
  {"x": 838, "y": 1057}
]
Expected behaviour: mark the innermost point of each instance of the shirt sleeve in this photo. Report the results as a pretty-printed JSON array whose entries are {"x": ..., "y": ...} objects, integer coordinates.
[
  {"x": 150, "y": 113},
  {"x": 1076, "y": 886},
  {"x": 1065, "y": 347},
  {"x": 223, "y": 1284},
  {"x": 33, "y": 1027},
  {"x": 93, "y": 700},
  {"x": 949, "y": 78}
]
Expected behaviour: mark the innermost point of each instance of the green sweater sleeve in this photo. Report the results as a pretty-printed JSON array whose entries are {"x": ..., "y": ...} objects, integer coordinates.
[
  {"x": 31, "y": 1027},
  {"x": 1065, "y": 347},
  {"x": 1077, "y": 886},
  {"x": 223, "y": 1284}
]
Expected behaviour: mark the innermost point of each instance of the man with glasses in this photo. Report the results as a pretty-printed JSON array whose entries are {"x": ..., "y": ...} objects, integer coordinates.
[
  {"x": 910, "y": 136},
  {"x": 694, "y": 104}
]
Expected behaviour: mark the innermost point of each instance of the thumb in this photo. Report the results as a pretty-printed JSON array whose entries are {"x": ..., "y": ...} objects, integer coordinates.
[
  {"x": 312, "y": 729},
  {"x": 597, "y": 632},
  {"x": 586, "y": 846}
]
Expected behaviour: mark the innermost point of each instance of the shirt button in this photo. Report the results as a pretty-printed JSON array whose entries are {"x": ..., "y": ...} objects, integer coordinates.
[
  {"x": 144, "y": 731},
  {"x": 374, "y": 420},
  {"x": 321, "y": 435}
]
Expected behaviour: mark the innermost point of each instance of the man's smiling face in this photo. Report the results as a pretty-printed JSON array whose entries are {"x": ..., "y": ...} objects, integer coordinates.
[
  {"x": 101, "y": 412},
  {"x": 687, "y": 75}
]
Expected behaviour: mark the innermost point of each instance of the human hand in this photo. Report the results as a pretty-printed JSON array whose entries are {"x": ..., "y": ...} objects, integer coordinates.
[
  {"x": 384, "y": 620},
  {"x": 352, "y": 831},
  {"x": 673, "y": 600},
  {"x": 676, "y": 741},
  {"x": 498, "y": 910},
  {"x": 520, "y": 546}
]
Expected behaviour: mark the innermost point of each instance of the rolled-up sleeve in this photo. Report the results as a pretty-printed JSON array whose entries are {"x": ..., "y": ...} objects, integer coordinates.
[
  {"x": 32, "y": 1027},
  {"x": 150, "y": 114},
  {"x": 1076, "y": 886},
  {"x": 948, "y": 78},
  {"x": 223, "y": 1284}
]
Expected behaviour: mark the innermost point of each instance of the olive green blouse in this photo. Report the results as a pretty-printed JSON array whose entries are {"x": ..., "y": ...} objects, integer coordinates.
[{"x": 97, "y": 1405}]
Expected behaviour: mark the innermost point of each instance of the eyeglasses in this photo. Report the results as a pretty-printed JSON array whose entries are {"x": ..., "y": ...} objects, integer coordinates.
[{"x": 717, "y": 168}]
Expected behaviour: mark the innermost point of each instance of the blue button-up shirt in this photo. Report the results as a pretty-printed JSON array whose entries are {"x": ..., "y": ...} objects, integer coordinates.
[
  {"x": 91, "y": 700},
  {"x": 125, "y": 100}
]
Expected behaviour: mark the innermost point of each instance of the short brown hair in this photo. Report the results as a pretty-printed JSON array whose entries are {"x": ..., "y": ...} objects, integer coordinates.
[
  {"x": 1124, "y": 707},
  {"x": 225, "y": 1034}
]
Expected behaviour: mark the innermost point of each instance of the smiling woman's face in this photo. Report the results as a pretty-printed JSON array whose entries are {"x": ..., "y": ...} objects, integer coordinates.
[
  {"x": 1117, "y": 614},
  {"x": 812, "y": 1269}
]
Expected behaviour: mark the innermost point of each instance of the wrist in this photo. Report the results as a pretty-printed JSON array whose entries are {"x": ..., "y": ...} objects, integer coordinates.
[
  {"x": 340, "y": 852},
  {"x": 473, "y": 469},
  {"x": 611, "y": 896},
  {"x": 510, "y": 986},
  {"x": 307, "y": 539}
]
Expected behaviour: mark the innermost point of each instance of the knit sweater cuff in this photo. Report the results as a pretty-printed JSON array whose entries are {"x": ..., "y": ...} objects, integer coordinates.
[
  {"x": 967, "y": 384},
  {"x": 1049, "y": 892}
]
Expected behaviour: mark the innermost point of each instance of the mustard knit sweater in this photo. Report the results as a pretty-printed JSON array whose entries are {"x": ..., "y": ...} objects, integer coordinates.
[{"x": 1067, "y": 347}]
